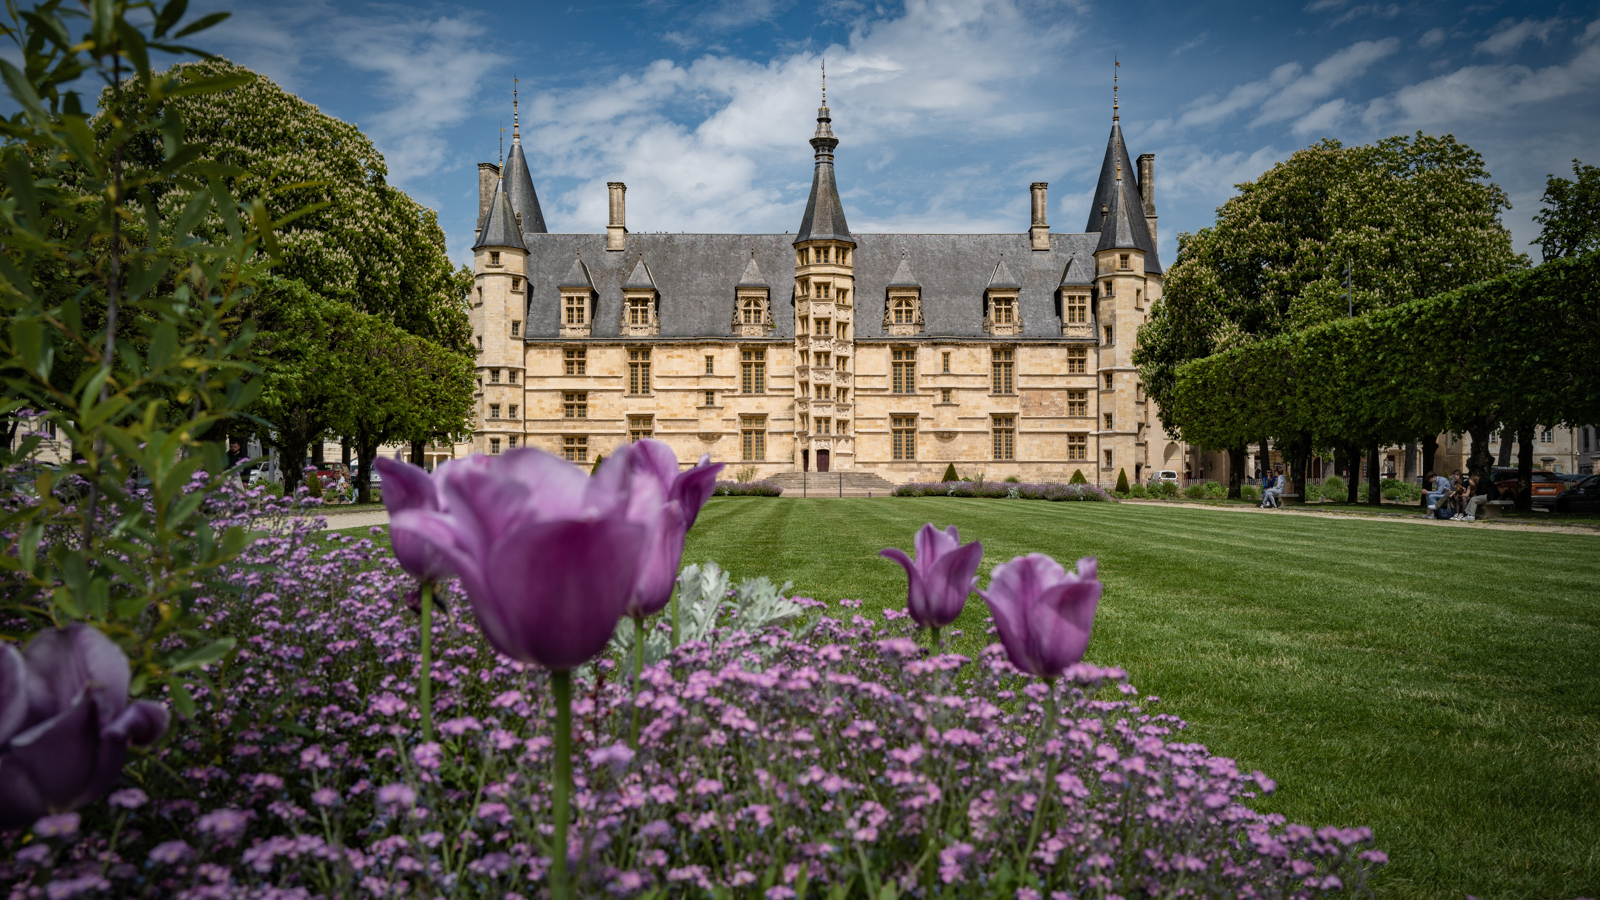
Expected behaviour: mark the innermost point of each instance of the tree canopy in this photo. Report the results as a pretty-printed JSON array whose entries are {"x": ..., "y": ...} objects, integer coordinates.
[
  {"x": 1410, "y": 216},
  {"x": 358, "y": 239},
  {"x": 1571, "y": 215}
]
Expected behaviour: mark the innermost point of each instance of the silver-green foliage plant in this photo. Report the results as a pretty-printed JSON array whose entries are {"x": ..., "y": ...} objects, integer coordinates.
[
  {"x": 120, "y": 331},
  {"x": 705, "y": 604}
]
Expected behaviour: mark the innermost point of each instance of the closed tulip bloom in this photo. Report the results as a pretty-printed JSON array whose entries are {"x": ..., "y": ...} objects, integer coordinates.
[
  {"x": 941, "y": 577},
  {"x": 405, "y": 488},
  {"x": 66, "y": 722},
  {"x": 1043, "y": 612},
  {"x": 668, "y": 522},
  {"x": 547, "y": 555}
]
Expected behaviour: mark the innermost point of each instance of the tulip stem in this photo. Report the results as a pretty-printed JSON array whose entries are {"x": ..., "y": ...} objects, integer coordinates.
[
  {"x": 1047, "y": 727},
  {"x": 561, "y": 683},
  {"x": 638, "y": 673},
  {"x": 675, "y": 594},
  {"x": 938, "y": 640},
  {"x": 425, "y": 686}
]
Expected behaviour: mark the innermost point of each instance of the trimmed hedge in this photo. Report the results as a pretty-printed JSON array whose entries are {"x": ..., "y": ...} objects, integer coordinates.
[
  {"x": 747, "y": 489},
  {"x": 1002, "y": 490}
]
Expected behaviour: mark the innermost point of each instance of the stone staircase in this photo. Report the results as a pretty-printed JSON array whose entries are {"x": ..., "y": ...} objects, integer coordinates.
[{"x": 832, "y": 484}]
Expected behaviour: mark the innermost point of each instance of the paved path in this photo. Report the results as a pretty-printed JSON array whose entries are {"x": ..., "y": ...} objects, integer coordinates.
[{"x": 1400, "y": 518}]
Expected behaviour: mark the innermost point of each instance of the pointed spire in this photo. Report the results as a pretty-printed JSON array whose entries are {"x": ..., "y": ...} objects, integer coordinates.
[
  {"x": 516, "y": 132},
  {"x": 518, "y": 178},
  {"x": 902, "y": 274},
  {"x": 500, "y": 225},
  {"x": 640, "y": 278},
  {"x": 1124, "y": 226},
  {"x": 824, "y": 218},
  {"x": 752, "y": 276},
  {"x": 577, "y": 276},
  {"x": 1002, "y": 279},
  {"x": 1115, "y": 65}
]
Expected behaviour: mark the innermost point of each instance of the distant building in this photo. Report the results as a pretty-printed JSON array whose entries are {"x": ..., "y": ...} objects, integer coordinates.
[{"x": 824, "y": 350}]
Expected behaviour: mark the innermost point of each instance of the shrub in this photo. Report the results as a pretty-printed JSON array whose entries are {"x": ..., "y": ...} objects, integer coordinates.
[
  {"x": 746, "y": 475},
  {"x": 1250, "y": 492},
  {"x": 314, "y": 485},
  {"x": 1139, "y": 492},
  {"x": 1312, "y": 494},
  {"x": 1168, "y": 490},
  {"x": 598, "y": 459},
  {"x": 1122, "y": 481},
  {"x": 1003, "y": 490},
  {"x": 747, "y": 489},
  {"x": 1334, "y": 488},
  {"x": 1012, "y": 479},
  {"x": 1077, "y": 477},
  {"x": 1406, "y": 491},
  {"x": 950, "y": 473},
  {"x": 1195, "y": 492},
  {"x": 1214, "y": 490}
]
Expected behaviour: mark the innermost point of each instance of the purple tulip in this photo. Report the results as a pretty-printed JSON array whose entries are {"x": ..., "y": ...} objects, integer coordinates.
[
  {"x": 668, "y": 523},
  {"x": 1043, "y": 612},
  {"x": 941, "y": 577},
  {"x": 547, "y": 555},
  {"x": 65, "y": 722},
  {"x": 407, "y": 487}
]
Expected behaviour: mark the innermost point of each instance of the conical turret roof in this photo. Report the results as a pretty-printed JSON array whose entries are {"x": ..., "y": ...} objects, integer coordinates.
[
  {"x": 577, "y": 276},
  {"x": 752, "y": 276},
  {"x": 1002, "y": 279},
  {"x": 519, "y": 188},
  {"x": 1118, "y": 189},
  {"x": 1119, "y": 229},
  {"x": 640, "y": 278},
  {"x": 824, "y": 218},
  {"x": 500, "y": 225}
]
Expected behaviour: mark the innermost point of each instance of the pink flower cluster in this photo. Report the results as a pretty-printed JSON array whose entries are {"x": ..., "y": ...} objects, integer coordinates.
[{"x": 840, "y": 755}]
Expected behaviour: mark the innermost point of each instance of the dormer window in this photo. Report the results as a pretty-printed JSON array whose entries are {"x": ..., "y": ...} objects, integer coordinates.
[
  {"x": 1004, "y": 310},
  {"x": 1076, "y": 309},
  {"x": 577, "y": 309},
  {"x": 639, "y": 310}
]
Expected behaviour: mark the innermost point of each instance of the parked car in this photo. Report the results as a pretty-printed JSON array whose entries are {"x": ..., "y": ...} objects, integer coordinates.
[
  {"x": 1547, "y": 485},
  {"x": 1581, "y": 497},
  {"x": 1167, "y": 476}
]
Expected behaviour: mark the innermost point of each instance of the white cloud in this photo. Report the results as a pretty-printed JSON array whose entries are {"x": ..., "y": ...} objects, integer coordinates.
[
  {"x": 1431, "y": 38},
  {"x": 1509, "y": 35},
  {"x": 429, "y": 68},
  {"x": 942, "y": 67},
  {"x": 1290, "y": 92}
]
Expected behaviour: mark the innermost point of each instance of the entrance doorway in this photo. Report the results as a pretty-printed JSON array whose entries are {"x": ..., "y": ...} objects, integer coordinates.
[{"x": 822, "y": 460}]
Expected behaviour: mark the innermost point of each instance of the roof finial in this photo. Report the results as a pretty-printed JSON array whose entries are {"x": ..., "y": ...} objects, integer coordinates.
[
  {"x": 516, "y": 128},
  {"x": 824, "y": 82},
  {"x": 1115, "y": 65},
  {"x": 502, "y": 161}
]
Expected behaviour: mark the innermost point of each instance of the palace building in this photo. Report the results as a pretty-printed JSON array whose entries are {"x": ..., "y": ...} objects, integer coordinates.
[{"x": 824, "y": 350}]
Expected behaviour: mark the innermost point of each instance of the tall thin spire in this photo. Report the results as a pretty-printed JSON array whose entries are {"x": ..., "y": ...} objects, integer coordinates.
[
  {"x": 502, "y": 162},
  {"x": 516, "y": 128},
  {"x": 824, "y": 216},
  {"x": 1115, "y": 65}
]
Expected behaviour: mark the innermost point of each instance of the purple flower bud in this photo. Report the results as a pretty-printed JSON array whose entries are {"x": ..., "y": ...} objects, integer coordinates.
[
  {"x": 548, "y": 556},
  {"x": 1043, "y": 612},
  {"x": 407, "y": 487},
  {"x": 941, "y": 577},
  {"x": 66, "y": 723},
  {"x": 668, "y": 523}
]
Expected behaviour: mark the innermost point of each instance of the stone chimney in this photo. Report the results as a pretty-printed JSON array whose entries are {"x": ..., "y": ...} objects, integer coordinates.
[
  {"x": 1147, "y": 187},
  {"x": 617, "y": 229},
  {"x": 488, "y": 174},
  {"x": 1039, "y": 232}
]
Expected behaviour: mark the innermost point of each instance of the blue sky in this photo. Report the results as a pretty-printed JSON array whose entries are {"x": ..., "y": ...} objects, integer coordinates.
[{"x": 945, "y": 111}]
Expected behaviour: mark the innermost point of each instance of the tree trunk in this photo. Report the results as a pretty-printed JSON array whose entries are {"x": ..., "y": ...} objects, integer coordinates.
[
  {"x": 1235, "y": 472},
  {"x": 317, "y": 452},
  {"x": 1508, "y": 439},
  {"x": 366, "y": 452},
  {"x": 344, "y": 452},
  {"x": 292, "y": 456},
  {"x": 1300, "y": 461},
  {"x": 1411, "y": 472},
  {"x": 419, "y": 452},
  {"x": 1352, "y": 482},
  {"x": 1481, "y": 461},
  {"x": 1374, "y": 477},
  {"x": 1430, "y": 450},
  {"x": 1525, "y": 467}
]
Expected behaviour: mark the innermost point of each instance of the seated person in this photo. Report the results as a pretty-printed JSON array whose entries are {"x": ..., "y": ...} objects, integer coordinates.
[
  {"x": 1272, "y": 497},
  {"x": 1441, "y": 488}
]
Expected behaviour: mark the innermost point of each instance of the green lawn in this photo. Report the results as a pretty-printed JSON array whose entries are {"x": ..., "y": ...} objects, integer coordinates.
[{"x": 1441, "y": 685}]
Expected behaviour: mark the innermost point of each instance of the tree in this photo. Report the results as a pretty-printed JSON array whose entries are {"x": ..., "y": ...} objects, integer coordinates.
[
  {"x": 401, "y": 388},
  {"x": 1122, "y": 481},
  {"x": 1411, "y": 217},
  {"x": 1571, "y": 214},
  {"x": 359, "y": 240},
  {"x": 950, "y": 473}
]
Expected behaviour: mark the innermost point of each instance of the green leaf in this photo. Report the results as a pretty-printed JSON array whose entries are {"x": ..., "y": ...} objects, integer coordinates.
[
  {"x": 202, "y": 23},
  {"x": 169, "y": 16},
  {"x": 182, "y": 700},
  {"x": 201, "y": 656},
  {"x": 22, "y": 90}
]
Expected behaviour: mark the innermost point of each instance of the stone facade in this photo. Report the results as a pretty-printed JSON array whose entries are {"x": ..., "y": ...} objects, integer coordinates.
[{"x": 1006, "y": 354}]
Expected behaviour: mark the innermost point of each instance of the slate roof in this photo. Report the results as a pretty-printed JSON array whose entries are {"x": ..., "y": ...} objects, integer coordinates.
[
  {"x": 1105, "y": 197},
  {"x": 1117, "y": 230},
  {"x": 640, "y": 279},
  {"x": 697, "y": 274},
  {"x": 902, "y": 276},
  {"x": 519, "y": 187},
  {"x": 499, "y": 225},
  {"x": 576, "y": 277},
  {"x": 824, "y": 217},
  {"x": 752, "y": 275},
  {"x": 1002, "y": 278}
]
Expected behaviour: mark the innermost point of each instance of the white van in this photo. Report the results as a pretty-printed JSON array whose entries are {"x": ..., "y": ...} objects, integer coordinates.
[{"x": 1168, "y": 476}]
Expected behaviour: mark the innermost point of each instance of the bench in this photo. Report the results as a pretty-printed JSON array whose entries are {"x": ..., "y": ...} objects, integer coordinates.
[
  {"x": 1286, "y": 499},
  {"x": 1494, "y": 509}
]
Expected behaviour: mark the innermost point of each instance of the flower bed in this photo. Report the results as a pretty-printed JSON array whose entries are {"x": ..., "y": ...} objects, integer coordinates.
[
  {"x": 1002, "y": 490},
  {"x": 747, "y": 489},
  {"x": 770, "y": 764}
]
